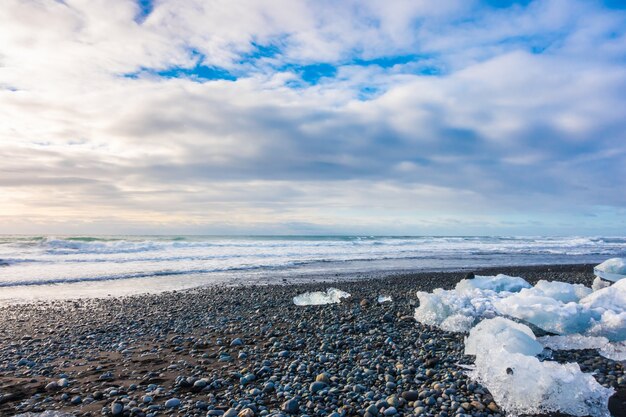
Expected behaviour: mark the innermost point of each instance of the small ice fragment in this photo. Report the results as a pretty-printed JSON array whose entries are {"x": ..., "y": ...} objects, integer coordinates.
[
  {"x": 612, "y": 269},
  {"x": 520, "y": 383},
  {"x": 46, "y": 414},
  {"x": 599, "y": 283},
  {"x": 384, "y": 298},
  {"x": 331, "y": 296}
]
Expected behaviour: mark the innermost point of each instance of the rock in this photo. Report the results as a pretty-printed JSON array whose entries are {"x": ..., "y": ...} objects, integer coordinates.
[
  {"x": 410, "y": 395},
  {"x": 493, "y": 407},
  {"x": 617, "y": 403},
  {"x": 236, "y": 342},
  {"x": 323, "y": 377},
  {"x": 391, "y": 411},
  {"x": 231, "y": 412},
  {"x": 117, "y": 408},
  {"x": 246, "y": 412},
  {"x": 291, "y": 406},
  {"x": 470, "y": 275},
  {"x": 477, "y": 405},
  {"x": 394, "y": 401},
  {"x": 76, "y": 400},
  {"x": 317, "y": 386},
  {"x": 365, "y": 303},
  {"x": 372, "y": 410},
  {"x": 53, "y": 386},
  {"x": 172, "y": 403}
]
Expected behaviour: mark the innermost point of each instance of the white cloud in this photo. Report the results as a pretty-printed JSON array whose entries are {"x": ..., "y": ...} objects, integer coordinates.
[{"x": 499, "y": 128}]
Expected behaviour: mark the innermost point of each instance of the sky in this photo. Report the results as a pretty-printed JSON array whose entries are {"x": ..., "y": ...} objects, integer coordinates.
[{"x": 457, "y": 117}]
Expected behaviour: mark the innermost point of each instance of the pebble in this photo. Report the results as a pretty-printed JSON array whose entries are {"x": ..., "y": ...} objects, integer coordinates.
[{"x": 172, "y": 403}]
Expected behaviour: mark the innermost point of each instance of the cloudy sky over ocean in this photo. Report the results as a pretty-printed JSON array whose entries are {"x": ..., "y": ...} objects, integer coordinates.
[{"x": 394, "y": 117}]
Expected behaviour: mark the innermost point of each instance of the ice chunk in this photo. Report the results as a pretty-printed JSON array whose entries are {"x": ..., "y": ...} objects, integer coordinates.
[
  {"x": 46, "y": 414},
  {"x": 547, "y": 313},
  {"x": 609, "y": 298},
  {"x": 498, "y": 283},
  {"x": 384, "y": 298},
  {"x": 599, "y": 283},
  {"x": 514, "y": 337},
  {"x": 615, "y": 351},
  {"x": 331, "y": 296},
  {"x": 446, "y": 308},
  {"x": 561, "y": 291},
  {"x": 610, "y": 302},
  {"x": 612, "y": 269},
  {"x": 472, "y": 300},
  {"x": 520, "y": 383}
]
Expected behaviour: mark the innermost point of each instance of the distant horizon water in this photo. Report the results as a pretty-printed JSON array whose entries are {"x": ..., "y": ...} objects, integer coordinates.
[{"x": 72, "y": 266}]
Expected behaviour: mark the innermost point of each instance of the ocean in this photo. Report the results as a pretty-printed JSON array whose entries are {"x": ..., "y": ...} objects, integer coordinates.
[{"x": 52, "y": 267}]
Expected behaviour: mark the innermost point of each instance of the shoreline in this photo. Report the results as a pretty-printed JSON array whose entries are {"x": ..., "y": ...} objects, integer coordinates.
[{"x": 112, "y": 351}]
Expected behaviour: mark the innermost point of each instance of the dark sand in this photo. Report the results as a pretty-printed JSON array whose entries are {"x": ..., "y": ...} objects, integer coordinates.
[{"x": 131, "y": 355}]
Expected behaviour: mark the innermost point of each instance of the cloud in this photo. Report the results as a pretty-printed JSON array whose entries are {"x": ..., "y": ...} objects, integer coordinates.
[{"x": 175, "y": 115}]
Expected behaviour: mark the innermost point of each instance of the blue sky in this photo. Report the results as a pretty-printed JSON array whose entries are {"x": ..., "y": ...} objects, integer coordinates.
[{"x": 290, "y": 116}]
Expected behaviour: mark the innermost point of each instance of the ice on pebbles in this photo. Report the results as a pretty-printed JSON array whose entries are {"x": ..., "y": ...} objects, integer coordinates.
[
  {"x": 506, "y": 364},
  {"x": 46, "y": 414},
  {"x": 556, "y": 307},
  {"x": 472, "y": 300},
  {"x": 331, "y": 296},
  {"x": 612, "y": 269},
  {"x": 384, "y": 298}
]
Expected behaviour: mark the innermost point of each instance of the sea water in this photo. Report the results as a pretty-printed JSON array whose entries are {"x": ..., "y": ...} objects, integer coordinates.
[{"x": 50, "y": 267}]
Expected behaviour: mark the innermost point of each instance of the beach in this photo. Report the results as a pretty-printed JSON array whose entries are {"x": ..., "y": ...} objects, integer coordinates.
[{"x": 248, "y": 350}]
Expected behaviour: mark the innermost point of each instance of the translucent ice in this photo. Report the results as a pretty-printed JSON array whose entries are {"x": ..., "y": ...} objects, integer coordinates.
[
  {"x": 521, "y": 384},
  {"x": 610, "y": 302},
  {"x": 384, "y": 298},
  {"x": 472, "y": 300},
  {"x": 556, "y": 307},
  {"x": 331, "y": 296},
  {"x": 498, "y": 283},
  {"x": 612, "y": 350},
  {"x": 547, "y": 313},
  {"x": 612, "y": 269}
]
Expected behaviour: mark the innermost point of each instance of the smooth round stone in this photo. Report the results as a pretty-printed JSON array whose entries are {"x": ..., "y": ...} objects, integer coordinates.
[
  {"x": 372, "y": 410},
  {"x": 393, "y": 400},
  {"x": 199, "y": 384},
  {"x": 246, "y": 412},
  {"x": 410, "y": 395},
  {"x": 172, "y": 403},
  {"x": 63, "y": 382},
  {"x": 291, "y": 406},
  {"x": 391, "y": 411},
  {"x": 231, "y": 412},
  {"x": 53, "y": 386},
  {"x": 76, "y": 400},
  {"x": 98, "y": 395},
  {"x": 323, "y": 377},
  {"x": 236, "y": 342},
  {"x": 215, "y": 413},
  {"x": 117, "y": 408},
  {"x": 317, "y": 386},
  {"x": 146, "y": 399}
]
